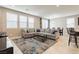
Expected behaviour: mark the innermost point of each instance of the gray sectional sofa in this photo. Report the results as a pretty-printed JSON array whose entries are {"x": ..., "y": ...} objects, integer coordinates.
[{"x": 46, "y": 33}]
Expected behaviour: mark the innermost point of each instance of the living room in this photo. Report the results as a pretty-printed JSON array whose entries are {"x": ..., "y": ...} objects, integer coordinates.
[{"x": 44, "y": 24}]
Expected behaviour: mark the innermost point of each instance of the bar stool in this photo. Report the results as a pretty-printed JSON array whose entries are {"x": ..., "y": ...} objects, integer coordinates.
[{"x": 72, "y": 34}]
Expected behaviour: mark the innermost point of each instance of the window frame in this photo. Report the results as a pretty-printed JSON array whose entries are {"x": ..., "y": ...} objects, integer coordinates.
[
  {"x": 71, "y": 21},
  {"x": 20, "y": 22},
  {"x": 45, "y": 25},
  {"x": 8, "y": 15},
  {"x": 29, "y": 22},
  {"x": 53, "y": 23}
]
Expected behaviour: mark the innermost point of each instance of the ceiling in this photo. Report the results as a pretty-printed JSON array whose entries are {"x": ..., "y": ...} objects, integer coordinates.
[{"x": 47, "y": 11}]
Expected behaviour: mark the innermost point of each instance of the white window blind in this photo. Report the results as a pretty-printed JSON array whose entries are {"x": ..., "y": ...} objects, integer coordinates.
[
  {"x": 23, "y": 21},
  {"x": 30, "y": 22},
  {"x": 52, "y": 24},
  {"x": 70, "y": 22},
  {"x": 44, "y": 23},
  {"x": 11, "y": 20}
]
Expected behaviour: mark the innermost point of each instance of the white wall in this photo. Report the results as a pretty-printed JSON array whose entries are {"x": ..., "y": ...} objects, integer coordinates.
[{"x": 60, "y": 22}]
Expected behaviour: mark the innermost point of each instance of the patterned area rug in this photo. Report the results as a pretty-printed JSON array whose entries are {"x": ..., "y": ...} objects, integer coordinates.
[{"x": 32, "y": 45}]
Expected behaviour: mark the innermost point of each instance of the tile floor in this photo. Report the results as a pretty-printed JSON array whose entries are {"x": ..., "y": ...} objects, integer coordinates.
[{"x": 61, "y": 47}]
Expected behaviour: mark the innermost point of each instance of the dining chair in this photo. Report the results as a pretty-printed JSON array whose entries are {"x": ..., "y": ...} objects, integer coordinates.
[{"x": 60, "y": 30}]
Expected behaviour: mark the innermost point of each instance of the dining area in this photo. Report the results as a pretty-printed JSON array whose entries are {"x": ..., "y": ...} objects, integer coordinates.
[{"x": 66, "y": 44}]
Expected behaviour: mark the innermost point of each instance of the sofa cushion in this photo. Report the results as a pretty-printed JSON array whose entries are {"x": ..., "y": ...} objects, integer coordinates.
[{"x": 31, "y": 30}]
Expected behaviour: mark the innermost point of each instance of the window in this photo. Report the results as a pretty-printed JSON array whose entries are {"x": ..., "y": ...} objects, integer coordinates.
[
  {"x": 44, "y": 23},
  {"x": 23, "y": 22},
  {"x": 52, "y": 24},
  {"x": 11, "y": 20},
  {"x": 70, "y": 22},
  {"x": 30, "y": 22}
]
